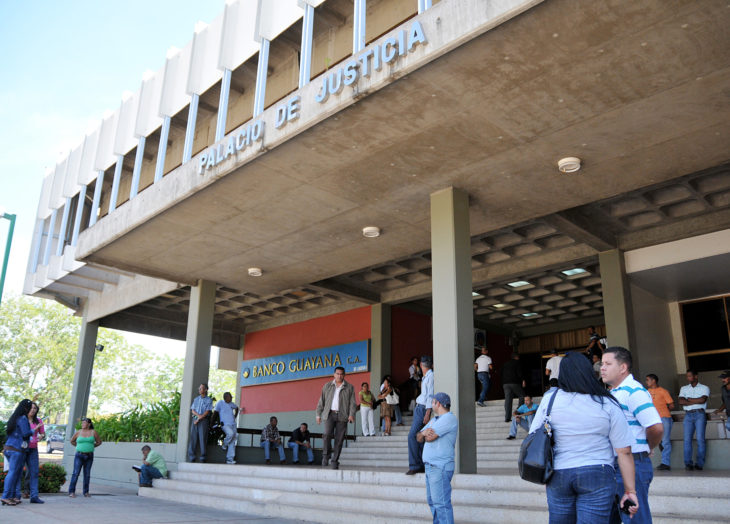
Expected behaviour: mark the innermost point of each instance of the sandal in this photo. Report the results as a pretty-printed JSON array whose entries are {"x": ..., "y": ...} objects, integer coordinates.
[
  {"x": 87, "y": 495},
  {"x": 8, "y": 502},
  {"x": 72, "y": 495}
]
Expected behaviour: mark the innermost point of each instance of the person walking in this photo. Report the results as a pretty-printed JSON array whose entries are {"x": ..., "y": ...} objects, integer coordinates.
[
  {"x": 227, "y": 413},
  {"x": 31, "y": 454},
  {"x": 644, "y": 422},
  {"x": 421, "y": 416},
  {"x": 693, "y": 399},
  {"x": 85, "y": 440},
  {"x": 336, "y": 407},
  {"x": 439, "y": 440},
  {"x": 588, "y": 428},
  {"x": 387, "y": 406},
  {"x": 200, "y": 409},
  {"x": 19, "y": 433},
  {"x": 663, "y": 403},
  {"x": 483, "y": 367},
  {"x": 512, "y": 383}
]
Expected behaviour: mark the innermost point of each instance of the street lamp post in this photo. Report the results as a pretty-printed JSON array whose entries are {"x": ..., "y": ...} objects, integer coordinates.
[{"x": 8, "y": 242}]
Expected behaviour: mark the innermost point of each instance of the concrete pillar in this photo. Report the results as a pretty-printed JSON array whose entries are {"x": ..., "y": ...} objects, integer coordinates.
[
  {"x": 453, "y": 318},
  {"x": 617, "y": 307},
  {"x": 81, "y": 384},
  {"x": 197, "y": 356},
  {"x": 380, "y": 349}
]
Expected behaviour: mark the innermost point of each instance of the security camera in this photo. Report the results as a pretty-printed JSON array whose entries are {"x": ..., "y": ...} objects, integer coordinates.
[{"x": 99, "y": 347}]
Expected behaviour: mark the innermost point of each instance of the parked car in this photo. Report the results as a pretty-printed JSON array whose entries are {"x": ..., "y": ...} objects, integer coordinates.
[{"x": 55, "y": 435}]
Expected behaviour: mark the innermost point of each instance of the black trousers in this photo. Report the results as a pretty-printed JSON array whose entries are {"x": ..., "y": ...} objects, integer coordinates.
[
  {"x": 511, "y": 391},
  {"x": 332, "y": 426}
]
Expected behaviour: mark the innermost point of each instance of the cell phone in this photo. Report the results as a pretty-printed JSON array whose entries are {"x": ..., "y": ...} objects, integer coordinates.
[{"x": 626, "y": 505}]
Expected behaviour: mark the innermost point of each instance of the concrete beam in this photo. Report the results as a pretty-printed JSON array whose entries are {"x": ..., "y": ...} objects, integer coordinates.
[
  {"x": 380, "y": 343},
  {"x": 617, "y": 305},
  {"x": 303, "y": 316},
  {"x": 331, "y": 285},
  {"x": 579, "y": 226},
  {"x": 561, "y": 325},
  {"x": 329, "y": 16}
]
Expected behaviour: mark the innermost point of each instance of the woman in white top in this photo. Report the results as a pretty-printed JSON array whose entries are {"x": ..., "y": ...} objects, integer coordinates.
[{"x": 589, "y": 427}]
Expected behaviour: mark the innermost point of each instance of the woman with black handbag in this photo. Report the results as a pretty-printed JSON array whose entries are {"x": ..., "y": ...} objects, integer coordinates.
[{"x": 588, "y": 426}]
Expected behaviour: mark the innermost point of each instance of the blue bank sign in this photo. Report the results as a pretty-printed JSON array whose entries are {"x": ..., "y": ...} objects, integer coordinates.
[{"x": 306, "y": 364}]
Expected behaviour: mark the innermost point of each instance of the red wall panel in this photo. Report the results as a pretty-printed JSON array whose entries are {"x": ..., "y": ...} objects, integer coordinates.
[
  {"x": 410, "y": 336},
  {"x": 301, "y": 395}
]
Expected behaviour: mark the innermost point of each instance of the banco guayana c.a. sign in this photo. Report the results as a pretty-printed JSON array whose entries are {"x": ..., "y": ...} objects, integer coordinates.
[
  {"x": 354, "y": 357},
  {"x": 370, "y": 59}
]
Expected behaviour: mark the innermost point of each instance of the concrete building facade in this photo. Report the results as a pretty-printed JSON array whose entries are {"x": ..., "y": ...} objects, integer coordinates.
[{"x": 233, "y": 200}]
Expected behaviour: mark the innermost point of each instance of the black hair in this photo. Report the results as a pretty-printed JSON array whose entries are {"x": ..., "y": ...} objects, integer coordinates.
[
  {"x": 576, "y": 376},
  {"x": 146, "y": 447},
  {"x": 37, "y": 409},
  {"x": 623, "y": 355},
  {"x": 204, "y": 384},
  {"x": 21, "y": 410},
  {"x": 87, "y": 419},
  {"x": 273, "y": 418},
  {"x": 427, "y": 361},
  {"x": 305, "y": 425},
  {"x": 592, "y": 328},
  {"x": 653, "y": 377},
  {"x": 694, "y": 372},
  {"x": 364, "y": 384},
  {"x": 339, "y": 368}
]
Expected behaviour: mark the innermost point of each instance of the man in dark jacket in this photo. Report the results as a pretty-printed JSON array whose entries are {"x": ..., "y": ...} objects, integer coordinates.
[
  {"x": 336, "y": 407},
  {"x": 512, "y": 382}
]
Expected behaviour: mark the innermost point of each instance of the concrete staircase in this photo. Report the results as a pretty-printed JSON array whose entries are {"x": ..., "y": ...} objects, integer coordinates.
[{"x": 371, "y": 486}]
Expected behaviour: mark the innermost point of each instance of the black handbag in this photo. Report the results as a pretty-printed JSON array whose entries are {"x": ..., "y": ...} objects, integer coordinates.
[{"x": 536, "y": 453}]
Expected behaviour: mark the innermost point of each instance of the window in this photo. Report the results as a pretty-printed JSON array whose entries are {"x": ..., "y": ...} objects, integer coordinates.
[{"x": 707, "y": 333}]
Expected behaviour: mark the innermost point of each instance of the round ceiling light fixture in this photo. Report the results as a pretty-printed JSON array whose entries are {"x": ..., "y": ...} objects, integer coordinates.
[
  {"x": 371, "y": 232},
  {"x": 569, "y": 164},
  {"x": 255, "y": 272}
]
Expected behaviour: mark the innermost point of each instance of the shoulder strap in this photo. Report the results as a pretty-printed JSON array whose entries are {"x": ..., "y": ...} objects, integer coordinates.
[{"x": 550, "y": 404}]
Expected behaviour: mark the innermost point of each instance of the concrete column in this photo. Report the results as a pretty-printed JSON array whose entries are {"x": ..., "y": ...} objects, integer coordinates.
[
  {"x": 453, "y": 318},
  {"x": 380, "y": 348},
  {"x": 197, "y": 356},
  {"x": 81, "y": 384},
  {"x": 617, "y": 307}
]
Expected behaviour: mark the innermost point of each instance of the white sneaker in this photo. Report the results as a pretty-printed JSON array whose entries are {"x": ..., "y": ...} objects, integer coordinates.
[{"x": 230, "y": 461}]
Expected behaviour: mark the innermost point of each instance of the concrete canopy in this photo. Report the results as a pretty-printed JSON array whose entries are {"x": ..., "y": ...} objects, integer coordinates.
[{"x": 639, "y": 91}]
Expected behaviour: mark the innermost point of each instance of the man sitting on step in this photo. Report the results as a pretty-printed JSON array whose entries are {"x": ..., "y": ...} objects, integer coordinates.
[
  {"x": 523, "y": 416},
  {"x": 153, "y": 467},
  {"x": 270, "y": 437},
  {"x": 300, "y": 437}
]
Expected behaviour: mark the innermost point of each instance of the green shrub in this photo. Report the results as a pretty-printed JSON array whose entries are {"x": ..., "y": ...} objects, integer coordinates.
[
  {"x": 154, "y": 423},
  {"x": 50, "y": 478}
]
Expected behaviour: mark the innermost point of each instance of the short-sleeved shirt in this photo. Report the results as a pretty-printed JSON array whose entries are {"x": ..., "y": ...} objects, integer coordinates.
[
  {"x": 524, "y": 408},
  {"x": 689, "y": 391},
  {"x": 155, "y": 460},
  {"x": 483, "y": 362},
  {"x": 202, "y": 404},
  {"x": 554, "y": 366},
  {"x": 586, "y": 431},
  {"x": 426, "y": 390},
  {"x": 366, "y": 399},
  {"x": 225, "y": 412},
  {"x": 639, "y": 409},
  {"x": 661, "y": 398},
  {"x": 440, "y": 452}
]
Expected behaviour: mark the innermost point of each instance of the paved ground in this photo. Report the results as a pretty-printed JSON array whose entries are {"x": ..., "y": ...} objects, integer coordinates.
[{"x": 110, "y": 505}]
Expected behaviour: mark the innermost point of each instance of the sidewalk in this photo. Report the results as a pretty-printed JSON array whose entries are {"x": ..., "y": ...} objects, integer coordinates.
[{"x": 111, "y": 505}]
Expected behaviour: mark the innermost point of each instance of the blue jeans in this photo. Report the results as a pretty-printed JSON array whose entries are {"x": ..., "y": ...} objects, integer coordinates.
[
  {"x": 438, "y": 493},
  {"x": 483, "y": 377},
  {"x": 147, "y": 473},
  {"x": 415, "y": 448},
  {"x": 525, "y": 422},
  {"x": 31, "y": 463},
  {"x": 583, "y": 495},
  {"x": 295, "y": 452},
  {"x": 694, "y": 420},
  {"x": 15, "y": 464},
  {"x": 644, "y": 476},
  {"x": 81, "y": 460},
  {"x": 666, "y": 441},
  {"x": 266, "y": 444}
]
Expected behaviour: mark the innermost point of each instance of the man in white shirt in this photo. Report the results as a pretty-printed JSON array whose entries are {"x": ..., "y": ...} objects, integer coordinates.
[
  {"x": 552, "y": 370},
  {"x": 644, "y": 423},
  {"x": 483, "y": 367},
  {"x": 693, "y": 398},
  {"x": 227, "y": 412}
]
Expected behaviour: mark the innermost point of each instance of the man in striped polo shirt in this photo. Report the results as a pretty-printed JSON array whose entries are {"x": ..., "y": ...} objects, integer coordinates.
[{"x": 645, "y": 424}]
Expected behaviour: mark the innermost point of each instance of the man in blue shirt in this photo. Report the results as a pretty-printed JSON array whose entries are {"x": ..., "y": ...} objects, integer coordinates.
[
  {"x": 439, "y": 436},
  {"x": 421, "y": 416},
  {"x": 201, "y": 408},
  {"x": 523, "y": 416}
]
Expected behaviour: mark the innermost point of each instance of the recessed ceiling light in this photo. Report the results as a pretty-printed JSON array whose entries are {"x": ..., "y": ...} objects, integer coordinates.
[
  {"x": 574, "y": 271},
  {"x": 475, "y": 295},
  {"x": 569, "y": 164},
  {"x": 499, "y": 306},
  {"x": 529, "y": 315},
  {"x": 255, "y": 272},
  {"x": 518, "y": 283},
  {"x": 371, "y": 232}
]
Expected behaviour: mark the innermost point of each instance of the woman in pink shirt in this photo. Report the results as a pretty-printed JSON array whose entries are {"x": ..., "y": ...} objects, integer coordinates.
[{"x": 31, "y": 454}]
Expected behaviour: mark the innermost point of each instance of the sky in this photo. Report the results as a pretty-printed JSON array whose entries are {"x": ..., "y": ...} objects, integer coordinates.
[{"x": 62, "y": 66}]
